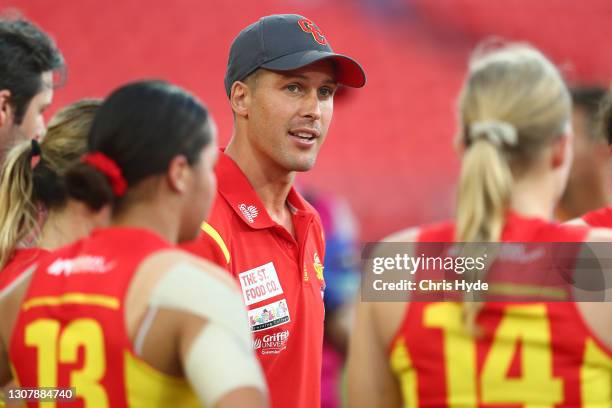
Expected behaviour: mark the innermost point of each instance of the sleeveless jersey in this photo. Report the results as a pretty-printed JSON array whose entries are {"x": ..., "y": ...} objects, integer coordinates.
[
  {"x": 71, "y": 330},
  {"x": 529, "y": 353}
]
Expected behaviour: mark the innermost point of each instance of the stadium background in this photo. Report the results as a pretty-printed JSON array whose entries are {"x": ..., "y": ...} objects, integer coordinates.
[{"x": 389, "y": 151}]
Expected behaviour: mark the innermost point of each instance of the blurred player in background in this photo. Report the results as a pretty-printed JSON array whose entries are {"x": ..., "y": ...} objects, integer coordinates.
[
  {"x": 32, "y": 181},
  {"x": 36, "y": 215},
  {"x": 342, "y": 284},
  {"x": 515, "y": 165},
  {"x": 603, "y": 216},
  {"x": 590, "y": 179},
  {"x": 122, "y": 315},
  {"x": 281, "y": 78},
  {"x": 28, "y": 60}
]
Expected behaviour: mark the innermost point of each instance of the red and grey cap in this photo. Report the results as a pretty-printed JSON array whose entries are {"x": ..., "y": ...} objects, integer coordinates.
[{"x": 284, "y": 42}]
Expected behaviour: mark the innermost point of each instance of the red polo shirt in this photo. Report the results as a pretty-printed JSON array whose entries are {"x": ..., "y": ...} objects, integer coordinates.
[{"x": 281, "y": 279}]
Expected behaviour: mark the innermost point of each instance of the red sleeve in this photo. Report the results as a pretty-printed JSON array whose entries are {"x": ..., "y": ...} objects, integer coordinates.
[
  {"x": 209, "y": 245},
  {"x": 599, "y": 218}
]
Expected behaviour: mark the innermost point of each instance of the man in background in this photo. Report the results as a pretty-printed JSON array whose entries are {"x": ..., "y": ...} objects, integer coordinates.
[
  {"x": 28, "y": 61},
  {"x": 590, "y": 179}
]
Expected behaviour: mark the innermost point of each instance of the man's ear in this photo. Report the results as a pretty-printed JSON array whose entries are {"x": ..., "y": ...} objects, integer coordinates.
[
  {"x": 179, "y": 174},
  {"x": 6, "y": 110},
  {"x": 239, "y": 98},
  {"x": 561, "y": 151}
]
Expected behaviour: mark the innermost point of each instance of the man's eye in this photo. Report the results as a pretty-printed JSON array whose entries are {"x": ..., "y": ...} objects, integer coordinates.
[
  {"x": 326, "y": 91},
  {"x": 293, "y": 88}
]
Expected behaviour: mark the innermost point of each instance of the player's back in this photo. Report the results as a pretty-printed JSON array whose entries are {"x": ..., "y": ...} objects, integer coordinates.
[
  {"x": 71, "y": 330},
  {"x": 527, "y": 353}
]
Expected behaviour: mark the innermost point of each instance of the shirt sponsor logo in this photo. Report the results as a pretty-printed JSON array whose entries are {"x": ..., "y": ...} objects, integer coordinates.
[
  {"x": 268, "y": 316},
  {"x": 318, "y": 266},
  {"x": 272, "y": 343},
  {"x": 81, "y": 264},
  {"x": 259, "y": 283},
  {"x": 250, "y": 213}
]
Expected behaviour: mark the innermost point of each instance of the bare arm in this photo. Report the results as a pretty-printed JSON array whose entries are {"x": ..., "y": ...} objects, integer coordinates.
[
  {"x": 371, "y": 383},
  {"x": 5, "y": 371},
  {"x": 200, "y": 307},
  {"x": 598, "y": 315},
  {"x": 370, "y": 380},
  {"x": 248, "y": 397}
]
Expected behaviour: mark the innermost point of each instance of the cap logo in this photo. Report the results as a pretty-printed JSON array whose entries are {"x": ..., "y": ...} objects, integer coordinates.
[{"x": 309, "y": 27}]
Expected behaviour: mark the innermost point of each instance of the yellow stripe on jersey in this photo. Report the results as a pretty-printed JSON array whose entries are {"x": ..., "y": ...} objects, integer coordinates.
[
  {"x": 147, "y": 387},
  {"x": 73, "y": 298},
  {"x": 207, "y": 228},
  {"x": 595, "y": 377},
  {"x": 510, "y": 289},
  {"x": 404, "y": 370}
]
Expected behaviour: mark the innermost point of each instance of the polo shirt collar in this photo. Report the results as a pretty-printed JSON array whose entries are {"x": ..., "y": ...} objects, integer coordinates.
[{"x": 235, "y": 188}]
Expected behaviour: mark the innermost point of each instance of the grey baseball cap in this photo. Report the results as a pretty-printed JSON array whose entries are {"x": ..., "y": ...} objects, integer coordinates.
[{"x": 284, "y": 42}]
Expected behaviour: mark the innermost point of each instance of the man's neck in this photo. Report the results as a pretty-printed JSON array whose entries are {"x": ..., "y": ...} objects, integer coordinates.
[{"x": 271, "y": 183}]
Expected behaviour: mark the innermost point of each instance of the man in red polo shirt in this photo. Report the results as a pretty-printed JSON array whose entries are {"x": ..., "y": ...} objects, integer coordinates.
[{"x": 281, "y": 78}]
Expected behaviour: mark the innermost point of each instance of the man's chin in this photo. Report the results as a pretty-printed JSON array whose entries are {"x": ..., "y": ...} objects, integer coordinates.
[{"x": 301, "y": 167}]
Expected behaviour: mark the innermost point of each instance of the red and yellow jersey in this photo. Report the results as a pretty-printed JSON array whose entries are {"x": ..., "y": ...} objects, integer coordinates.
[
  {"x": 281, "y": 279},
  {"x": 20, "y": 262},
  {"x": 71, "y": 330},
  {"x": 531, "y": 354},
  {"x": 599, "y": 218}
]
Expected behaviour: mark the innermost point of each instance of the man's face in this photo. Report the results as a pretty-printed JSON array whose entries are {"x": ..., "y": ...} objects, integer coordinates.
[
  {"x": 33, "y": 124},
  {"x": 289, "y": 114}
]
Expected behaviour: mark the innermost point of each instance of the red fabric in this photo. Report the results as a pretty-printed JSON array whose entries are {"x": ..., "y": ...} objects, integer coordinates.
[
  {"x": 289, "y": 351},
  {"x": 110, "y": 274},
  {"x": 599, "y": 218},
  {"x": 109, "y": 168},
  {"x": 567, "y": 332},
  {"x": 21, "y": 260}
]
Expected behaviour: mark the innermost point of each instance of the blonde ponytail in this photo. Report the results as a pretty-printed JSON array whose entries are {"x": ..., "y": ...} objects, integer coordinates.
[
  {"x": 18, "y": 214},
  {"x": 485, "y": 187},
  {"x": 25, "y": 189},
  {"x": 513, "y": 103},
  {"x": 485, "y": 183}
]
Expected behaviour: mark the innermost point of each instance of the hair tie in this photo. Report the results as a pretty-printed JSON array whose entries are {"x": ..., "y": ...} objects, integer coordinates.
[
  {"x": 109, "y": 168},
  {"x": 35, "y": 153},
  {"x": 497, "y": 132}
]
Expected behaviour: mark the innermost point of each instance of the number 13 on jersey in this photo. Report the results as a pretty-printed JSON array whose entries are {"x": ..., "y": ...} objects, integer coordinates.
[{"x": 56, "y": 347}]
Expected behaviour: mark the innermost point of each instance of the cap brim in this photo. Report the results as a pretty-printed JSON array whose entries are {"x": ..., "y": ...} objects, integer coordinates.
[{"x": 348, "y": 71}]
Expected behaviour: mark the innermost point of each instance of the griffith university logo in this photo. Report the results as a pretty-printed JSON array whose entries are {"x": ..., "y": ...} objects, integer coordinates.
[{"x": 250, "y": 213}]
